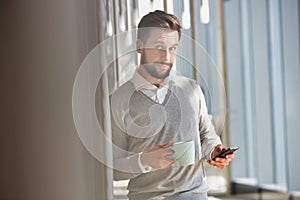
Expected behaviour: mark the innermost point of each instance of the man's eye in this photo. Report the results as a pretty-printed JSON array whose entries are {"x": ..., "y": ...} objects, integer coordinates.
[
  {"x": 173, "y": 49},
  {"x": 159, "y": 47}
]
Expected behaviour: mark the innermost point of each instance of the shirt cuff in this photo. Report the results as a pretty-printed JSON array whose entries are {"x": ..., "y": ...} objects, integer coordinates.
[
  {"x": 143, "y": 168},
  {"x": 210, "y": 154}
]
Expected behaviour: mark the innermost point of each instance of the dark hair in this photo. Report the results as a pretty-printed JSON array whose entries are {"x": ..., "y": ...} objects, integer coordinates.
[{"x": 158, "y": 19}]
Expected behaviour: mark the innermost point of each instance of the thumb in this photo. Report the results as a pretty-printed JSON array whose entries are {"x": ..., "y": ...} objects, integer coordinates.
[
  {"x": 217, "y": 150},
  {"x": 167, "y": 144}
]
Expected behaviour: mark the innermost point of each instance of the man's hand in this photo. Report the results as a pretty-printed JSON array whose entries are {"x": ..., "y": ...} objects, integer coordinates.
[
  {"x": 158, "y": 157},
  {"x": 220, "y": 162}
]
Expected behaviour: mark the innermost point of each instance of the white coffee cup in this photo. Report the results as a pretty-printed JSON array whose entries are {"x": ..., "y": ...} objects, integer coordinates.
[{"x": 184, "y": 152}]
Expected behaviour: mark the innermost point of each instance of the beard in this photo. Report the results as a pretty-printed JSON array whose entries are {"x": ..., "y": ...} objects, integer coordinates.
[{"x": 153, "y": 68}]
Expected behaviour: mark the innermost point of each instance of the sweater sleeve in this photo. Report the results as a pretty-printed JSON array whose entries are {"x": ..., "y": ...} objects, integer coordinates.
[
  {"x": 126, "y": 164},
  {"x": 208, "y": 136}
]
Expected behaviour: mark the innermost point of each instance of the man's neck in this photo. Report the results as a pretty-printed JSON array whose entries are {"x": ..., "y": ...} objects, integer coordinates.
[{"x": 154, "y": 81}]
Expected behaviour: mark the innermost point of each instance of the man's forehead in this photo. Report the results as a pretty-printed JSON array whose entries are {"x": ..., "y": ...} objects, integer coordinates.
[{"x": 161, "y": 35}]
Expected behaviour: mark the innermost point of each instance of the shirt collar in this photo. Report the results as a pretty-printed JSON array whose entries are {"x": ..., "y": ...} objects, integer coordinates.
[{"x": 140, "y": 82}]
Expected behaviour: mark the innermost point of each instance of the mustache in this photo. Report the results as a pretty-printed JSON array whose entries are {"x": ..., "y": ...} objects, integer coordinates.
[{"x": 164, "y": 63}]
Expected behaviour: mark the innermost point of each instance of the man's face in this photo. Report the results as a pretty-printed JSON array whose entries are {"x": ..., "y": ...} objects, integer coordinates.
[{"x": 159, "y": 52}]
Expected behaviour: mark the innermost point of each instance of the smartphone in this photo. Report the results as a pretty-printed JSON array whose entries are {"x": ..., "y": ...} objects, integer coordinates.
[{"x": 230, "y": 150}]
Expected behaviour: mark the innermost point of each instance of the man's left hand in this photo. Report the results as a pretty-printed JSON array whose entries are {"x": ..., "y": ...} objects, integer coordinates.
[{"x": 220, "y": 162}]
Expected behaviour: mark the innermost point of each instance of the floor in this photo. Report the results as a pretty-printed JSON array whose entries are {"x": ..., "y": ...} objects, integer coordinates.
[
  {"x": 254, "y": 196},
  {"x": 240, "y": 197},
  {"x": 120, "y": 194}
]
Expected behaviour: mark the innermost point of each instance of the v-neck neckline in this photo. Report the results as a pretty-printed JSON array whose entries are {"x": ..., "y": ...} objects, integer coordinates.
[{"x": 166, "y": 97}]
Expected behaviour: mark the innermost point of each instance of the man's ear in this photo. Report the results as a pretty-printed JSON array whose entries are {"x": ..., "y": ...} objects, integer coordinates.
[{"x": 139, "y": 46}]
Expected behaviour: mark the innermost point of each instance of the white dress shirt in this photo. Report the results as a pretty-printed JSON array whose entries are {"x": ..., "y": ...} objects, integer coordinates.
[{"x": 157, "y": 94}]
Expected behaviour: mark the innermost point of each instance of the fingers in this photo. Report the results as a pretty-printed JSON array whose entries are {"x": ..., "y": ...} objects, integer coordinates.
[
  {"x": 217, "y": 164},
  {"x": 158, "y": 158},
  {"x": 221, "y": 162},
  {"x": 169, "y": 154},
  {"x": 230, "y": 155},
  {"x": 165, "y": 145},
  {"x": 165, "y": 158},
  {"x": 163, "y": 164},
  {"x": 160, "y": 146}
]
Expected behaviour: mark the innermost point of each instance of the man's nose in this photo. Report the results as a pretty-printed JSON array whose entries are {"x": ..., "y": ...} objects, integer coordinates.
[{"x": 166, "y": 55}]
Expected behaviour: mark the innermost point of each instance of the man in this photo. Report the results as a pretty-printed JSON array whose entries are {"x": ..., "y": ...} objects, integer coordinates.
[{"x": 155, "y": 109}]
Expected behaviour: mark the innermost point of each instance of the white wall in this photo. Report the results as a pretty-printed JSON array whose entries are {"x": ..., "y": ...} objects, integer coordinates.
[{"x": 42, "y": 46}]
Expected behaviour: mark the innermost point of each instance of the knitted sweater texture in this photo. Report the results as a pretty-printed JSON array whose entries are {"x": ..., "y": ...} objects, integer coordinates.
[{"x": 139, "y": 123}]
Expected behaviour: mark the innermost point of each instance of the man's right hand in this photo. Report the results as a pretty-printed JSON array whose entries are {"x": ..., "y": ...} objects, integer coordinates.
[{"x": 158, "y": 157}]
